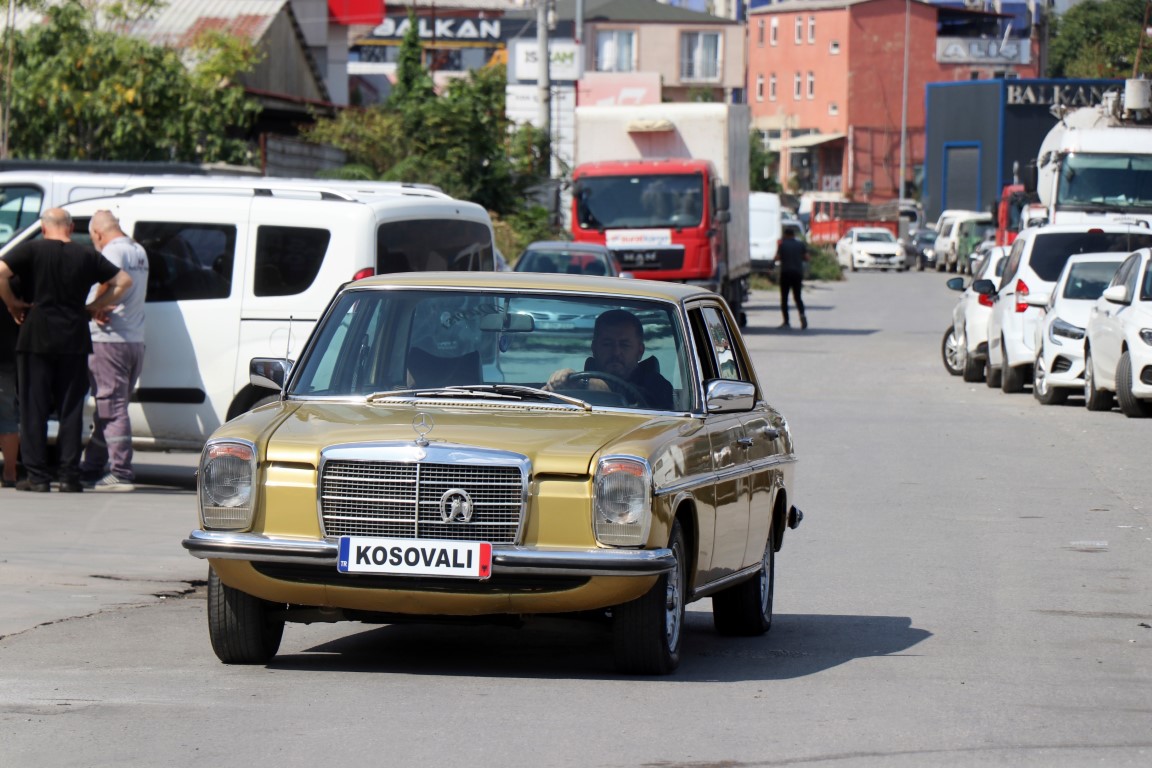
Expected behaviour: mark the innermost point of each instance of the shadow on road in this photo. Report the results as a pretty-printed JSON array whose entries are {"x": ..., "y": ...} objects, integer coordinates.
[{"x": 798, "y": 645}]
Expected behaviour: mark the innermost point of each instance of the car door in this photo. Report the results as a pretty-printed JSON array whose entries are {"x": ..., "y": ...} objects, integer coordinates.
[{"x": 1108, "y": 336}]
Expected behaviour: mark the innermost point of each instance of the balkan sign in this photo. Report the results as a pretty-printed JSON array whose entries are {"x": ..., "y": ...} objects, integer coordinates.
[
  {"x": 441, "y": 29},
  {"x": 1049, "y": 94}
]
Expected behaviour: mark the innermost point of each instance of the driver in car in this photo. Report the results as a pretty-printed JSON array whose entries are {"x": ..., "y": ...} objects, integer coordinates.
[{"x": 615, "y": 365}]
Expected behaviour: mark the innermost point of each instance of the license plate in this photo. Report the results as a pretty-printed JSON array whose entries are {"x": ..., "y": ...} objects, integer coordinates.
[{"x": 415, "y": 557}]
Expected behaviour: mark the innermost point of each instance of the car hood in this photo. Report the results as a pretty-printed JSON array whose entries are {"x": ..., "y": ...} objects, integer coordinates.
[
  {"x": 555, "y": 441},
  {"x": 1075, "y": 311},
  {"x": 876, "y": 247}
]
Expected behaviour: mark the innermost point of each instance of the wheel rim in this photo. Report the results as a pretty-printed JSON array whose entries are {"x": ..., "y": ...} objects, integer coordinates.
[
  {"x": 673, "y": 598},
  {"x": 765, "y": 581},
  {"x": 1089, "y": 383},
  {"x": 952, "y": 351},
  {"x": 1040, "y": 378}
]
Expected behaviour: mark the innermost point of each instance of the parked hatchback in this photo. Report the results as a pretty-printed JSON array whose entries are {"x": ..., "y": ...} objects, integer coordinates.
[
  {"x": 1038, "y": 255},
  {"x": 965, "y": 345},
  {"x": 565, "y": 257},
  {"x": 1118, "y": 344},
  {"x": 1059, "y": 367}
]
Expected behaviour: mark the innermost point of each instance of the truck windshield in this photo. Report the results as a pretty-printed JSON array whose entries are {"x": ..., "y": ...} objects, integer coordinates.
[
  {"x": 1105, "y": 182},
  {"x": 670, "y": 200}
]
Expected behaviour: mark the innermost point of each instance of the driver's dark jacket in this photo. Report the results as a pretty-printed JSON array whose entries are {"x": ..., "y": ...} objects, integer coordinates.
[{"x": 646, "y": 376}]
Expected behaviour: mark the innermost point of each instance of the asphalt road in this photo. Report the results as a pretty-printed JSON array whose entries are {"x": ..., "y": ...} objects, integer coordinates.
[{"x": 970, "y": 587}]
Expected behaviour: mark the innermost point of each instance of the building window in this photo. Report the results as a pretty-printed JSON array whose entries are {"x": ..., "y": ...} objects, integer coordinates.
[
  {"x": 834, "y": 47},
  {"x": 773, "y": 31},
  {"x": 700, "y": 56},
  {"x": 760, "y": 33},
  {"x": 811, "y": 29},
  {"x": 616, "y": 50},
  {"x": 833, "y": 108},
  {"x": 799, "y": 29},
  {"x": 759, "y": 87},
  {"x": 772, "y": 87},
  {"x": 811, "y": 85},
  {"x": 797, "y": 86}
]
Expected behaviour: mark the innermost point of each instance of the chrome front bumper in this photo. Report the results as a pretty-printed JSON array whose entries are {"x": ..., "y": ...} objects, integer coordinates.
[{"x": 221, "y": 545}]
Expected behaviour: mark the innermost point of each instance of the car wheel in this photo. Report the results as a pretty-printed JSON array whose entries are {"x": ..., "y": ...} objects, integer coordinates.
[
  {"x": 1130, "y": 405},
  {"x": 1011, "y": 377},
  {"x": 746, "y": 608},
  {"x": 1094, "y": 399},
  {"x": 647, "y": 631},
  {"x": 241, "y": 627},
  {"x": 1042, "y": 390},
  {"x": 950, "y": 351},
  {"x": 991, "y": 374},
  {"x": 973, "y": 368}
]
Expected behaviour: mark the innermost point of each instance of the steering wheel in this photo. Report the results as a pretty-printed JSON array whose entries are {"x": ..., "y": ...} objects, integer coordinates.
[{"x": 637, "y": 394}]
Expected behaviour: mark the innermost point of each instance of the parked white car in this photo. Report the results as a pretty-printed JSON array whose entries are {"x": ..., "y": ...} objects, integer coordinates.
[
  {"x": 965, "y": 344},
  {"x": 870, "y": 248},
  {"x": 1118, "y": 344},
  {"x": 1059, "y": 367},
  {"x": 1034, "y": 263}
]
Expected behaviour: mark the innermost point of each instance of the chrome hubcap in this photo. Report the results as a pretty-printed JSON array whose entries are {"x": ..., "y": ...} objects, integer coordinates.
[{"x": 672, "y": 601}]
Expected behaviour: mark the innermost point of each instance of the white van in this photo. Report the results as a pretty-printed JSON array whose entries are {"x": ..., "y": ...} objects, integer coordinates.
[
  {"x": 764, "y": 231},
  {"x": 246, "y": 270}
]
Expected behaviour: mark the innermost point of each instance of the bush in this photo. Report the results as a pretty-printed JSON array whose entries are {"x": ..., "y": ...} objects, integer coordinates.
[
  {"x": 516, "y": 231},
  {"x": 822, "y": 266}
]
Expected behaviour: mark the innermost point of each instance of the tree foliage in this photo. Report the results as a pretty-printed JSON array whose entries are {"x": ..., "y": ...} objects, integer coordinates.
[
  {"x": 760, "y": 162},
  {"x": 459, "y": 139},
  {"x": 1099, "y": 39},
  {"x": 81, "y": 92}
]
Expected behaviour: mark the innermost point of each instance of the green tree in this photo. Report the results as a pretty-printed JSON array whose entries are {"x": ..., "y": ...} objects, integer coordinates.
[
  {"x": 80, "y": 92},
  {"x": 759, "y": 161},
  {"x": 459, "y": 140},
  {"x": 1098, "y": 39}
]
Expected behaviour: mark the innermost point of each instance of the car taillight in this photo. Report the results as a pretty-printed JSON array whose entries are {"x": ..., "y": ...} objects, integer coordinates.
[
  {"x": 363, "y": 273},
  {"x": 984, "y": 299},
  {"x": 1021, "y": 296}
]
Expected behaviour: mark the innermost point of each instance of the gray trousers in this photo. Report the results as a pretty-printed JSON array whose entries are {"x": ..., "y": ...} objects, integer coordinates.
[{"x": 113, "y": 370}]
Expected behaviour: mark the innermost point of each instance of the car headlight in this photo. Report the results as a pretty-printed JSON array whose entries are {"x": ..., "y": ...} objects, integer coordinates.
[
  {"x": 1062, "y": 329},
  {"x": 226, "y": 481},
  {"x": 929, "y": 253},
  {"x": 622, "y": 501},
  {"x": 1146, "y": 336}
]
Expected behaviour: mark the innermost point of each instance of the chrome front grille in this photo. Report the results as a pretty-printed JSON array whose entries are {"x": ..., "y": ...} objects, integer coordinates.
[{"x": 405, "y": 499}]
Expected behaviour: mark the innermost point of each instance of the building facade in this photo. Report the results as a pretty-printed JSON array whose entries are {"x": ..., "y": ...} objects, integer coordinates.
[{"x": 837, "y": 87}]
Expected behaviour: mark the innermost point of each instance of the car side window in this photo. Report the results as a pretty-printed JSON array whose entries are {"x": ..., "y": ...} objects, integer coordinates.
[
  {"x": 1013, "y": 262},
  {"x": 19, "y": 207},
  {"x": 288, "y": 259},
  {"x": 718, "y": 358},
  {"x": 187, "y": 261},
  {"x": 1121, "y": 276},
  {"x": 1130, "y": 280},
  {"x": 1146, "y": 285}
]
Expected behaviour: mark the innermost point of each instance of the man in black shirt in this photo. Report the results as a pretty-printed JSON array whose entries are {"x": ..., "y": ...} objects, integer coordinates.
[
  {"x": 52, "y": 350},
  {"x": 791, "y": 254}
]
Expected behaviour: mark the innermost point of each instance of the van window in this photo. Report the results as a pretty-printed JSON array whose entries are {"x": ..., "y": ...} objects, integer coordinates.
[
  {"x": 187, "y": 261},
  {"x": 422, "y": 245},
  {"x": 19, "y": 207},
  {"x": 288, "y": 259}
]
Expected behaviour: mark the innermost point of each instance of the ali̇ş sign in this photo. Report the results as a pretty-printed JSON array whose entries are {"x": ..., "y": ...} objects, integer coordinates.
[{"x": 964, "y": 50}]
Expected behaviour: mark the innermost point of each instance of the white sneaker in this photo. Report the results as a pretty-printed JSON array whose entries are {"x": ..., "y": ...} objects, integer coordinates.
[{"x": 112, "y": 484}]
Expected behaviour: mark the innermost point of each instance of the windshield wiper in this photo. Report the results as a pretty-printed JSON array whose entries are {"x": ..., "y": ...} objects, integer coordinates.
[{"x": 490, "y": 391}]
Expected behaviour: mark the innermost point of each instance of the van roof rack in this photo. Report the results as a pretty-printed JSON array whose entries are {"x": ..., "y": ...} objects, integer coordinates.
[{"x": 256, "y": 191}]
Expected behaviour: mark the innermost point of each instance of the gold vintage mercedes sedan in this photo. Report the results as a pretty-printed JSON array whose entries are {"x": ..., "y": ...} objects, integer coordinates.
[{"x": 473, "y": 444}]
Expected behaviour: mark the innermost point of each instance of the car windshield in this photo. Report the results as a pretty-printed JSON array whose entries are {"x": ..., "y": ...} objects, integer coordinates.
[
  {"x": 417, "y": 342},
  {"x": 1087, "y": 280},
  {"x": 875, "y": 237},
  {"x": 564, "y": 261}
]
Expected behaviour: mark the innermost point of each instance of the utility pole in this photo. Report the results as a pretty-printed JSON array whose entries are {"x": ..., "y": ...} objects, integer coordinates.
[
  {"x": 904, "y": 104},
  {"x": 543, "y": 78},
  {"x": 10, "y": 28}
]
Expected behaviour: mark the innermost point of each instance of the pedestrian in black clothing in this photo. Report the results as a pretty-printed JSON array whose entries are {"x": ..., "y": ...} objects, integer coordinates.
[
  {"x": 791, "y": 253},
  {"x": 52, "y": 349}
]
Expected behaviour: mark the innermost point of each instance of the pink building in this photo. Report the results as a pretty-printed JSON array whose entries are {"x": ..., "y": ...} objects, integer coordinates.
[{"x": 826, "y": 84}]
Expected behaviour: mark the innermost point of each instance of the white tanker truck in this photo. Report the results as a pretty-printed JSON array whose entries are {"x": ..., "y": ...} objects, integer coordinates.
[{"x": 1095, "y": 165}]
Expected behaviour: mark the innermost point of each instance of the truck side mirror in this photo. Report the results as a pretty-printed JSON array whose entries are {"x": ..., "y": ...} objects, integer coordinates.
[
  {"x": 722, "y": 198},
  {"x": 1030, "y": 177}
]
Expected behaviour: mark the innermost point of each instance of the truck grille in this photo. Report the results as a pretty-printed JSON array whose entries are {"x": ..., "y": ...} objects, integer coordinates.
[{"x": 406, "y": 500}]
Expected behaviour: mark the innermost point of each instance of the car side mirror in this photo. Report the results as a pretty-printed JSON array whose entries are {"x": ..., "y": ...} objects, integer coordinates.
[
  {"x": 725, "y": 395},
  {"x": 984, "y": 287},
  {"x": 955, "y": 284},
  {"x": 269, "y": 372},
  {"x": 1117, "y": 294}
]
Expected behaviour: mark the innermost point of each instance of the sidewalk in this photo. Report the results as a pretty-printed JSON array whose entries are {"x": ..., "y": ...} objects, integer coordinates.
[{"x": 67, "y": 555}]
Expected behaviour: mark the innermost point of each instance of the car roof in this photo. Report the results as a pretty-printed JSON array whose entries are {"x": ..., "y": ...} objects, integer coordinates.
[
  {"x": 547, "y": 281},
  {"x": 566, "y": 245}
]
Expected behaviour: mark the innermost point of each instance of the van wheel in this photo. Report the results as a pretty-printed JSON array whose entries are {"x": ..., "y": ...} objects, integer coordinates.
[
  {"x": 1094, "y": 399},
  {"x": 1130, "y": 405}
]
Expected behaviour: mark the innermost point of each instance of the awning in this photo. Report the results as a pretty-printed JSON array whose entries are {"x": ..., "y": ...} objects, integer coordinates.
[{"x": 805, "y": 141}]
